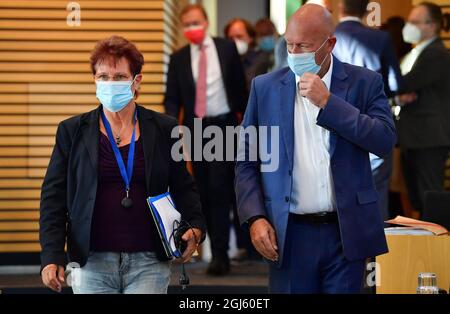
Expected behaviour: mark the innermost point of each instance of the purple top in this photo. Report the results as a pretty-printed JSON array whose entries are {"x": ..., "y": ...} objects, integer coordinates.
[{"x": 114, "y": 228}]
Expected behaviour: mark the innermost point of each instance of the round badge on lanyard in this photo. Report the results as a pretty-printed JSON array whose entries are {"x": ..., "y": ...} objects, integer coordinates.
[{"x": 126, "y": 173}]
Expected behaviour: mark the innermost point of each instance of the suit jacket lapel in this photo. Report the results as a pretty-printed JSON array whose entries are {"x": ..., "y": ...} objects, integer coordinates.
[
  {"x": 90, "y": 133},
  {"x": 148, "y": 136},
  {"x": 339, "y": 88},
  {"x": 434, "y": 44},
  {"x": 187, "y": 65},
  {"x": 287, "y": 105}
]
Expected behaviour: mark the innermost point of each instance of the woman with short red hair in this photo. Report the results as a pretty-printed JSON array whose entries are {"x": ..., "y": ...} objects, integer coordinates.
[{"x": 104, "y": 165}]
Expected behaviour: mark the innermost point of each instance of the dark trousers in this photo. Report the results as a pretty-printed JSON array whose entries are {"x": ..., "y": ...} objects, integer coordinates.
[
  {"x": 215, "y": 183},
  {"x": 424, "y": 170},
  {"x": 314, "y": 263}
]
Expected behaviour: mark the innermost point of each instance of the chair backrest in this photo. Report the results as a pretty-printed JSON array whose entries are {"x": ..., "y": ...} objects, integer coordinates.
[{"x": 437, "y": 208}]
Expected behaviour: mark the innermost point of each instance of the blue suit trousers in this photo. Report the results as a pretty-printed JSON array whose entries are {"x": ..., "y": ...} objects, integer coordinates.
[{"x": 314, "y": 263}]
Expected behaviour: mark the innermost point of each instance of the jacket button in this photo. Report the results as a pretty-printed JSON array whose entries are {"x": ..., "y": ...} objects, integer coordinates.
[
  {"x": 290, "y": 173},
  {"x": 287, "y": 199}
]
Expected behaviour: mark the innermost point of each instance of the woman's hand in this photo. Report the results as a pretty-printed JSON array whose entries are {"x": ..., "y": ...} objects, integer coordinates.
[
  {"x": 192, "y": 238},
  {"x": 53, "y": 277}
]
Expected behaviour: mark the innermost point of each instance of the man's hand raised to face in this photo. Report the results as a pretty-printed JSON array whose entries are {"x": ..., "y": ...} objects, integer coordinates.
[{"x": 314, "y": 89}]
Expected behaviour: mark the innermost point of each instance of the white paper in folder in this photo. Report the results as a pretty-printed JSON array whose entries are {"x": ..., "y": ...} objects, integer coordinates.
[{"x": 165, "y": 214}]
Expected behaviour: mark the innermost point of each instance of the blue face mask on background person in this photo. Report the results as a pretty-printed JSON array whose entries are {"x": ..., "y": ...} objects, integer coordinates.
[
  {"x": 301, "y": 63},
  {"x": 267, "y": 44},
  {"x": 114, "y": 96}
]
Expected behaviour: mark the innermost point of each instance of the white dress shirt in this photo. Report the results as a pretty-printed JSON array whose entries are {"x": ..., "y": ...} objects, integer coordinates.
[
  {"x": 410, "y": 59},
  {"x": 313, "y": 189},
  {"x": 216, "y": 96}
]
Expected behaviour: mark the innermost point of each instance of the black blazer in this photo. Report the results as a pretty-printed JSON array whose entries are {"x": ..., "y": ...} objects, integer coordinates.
[
  {"x": 180, "y": 89},
  {"x": 425, "y": 123},
  {"x": 70, "y": 184}
]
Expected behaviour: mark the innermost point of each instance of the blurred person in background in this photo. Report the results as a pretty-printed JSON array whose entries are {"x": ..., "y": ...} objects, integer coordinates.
[
  {"x": 424, "y": 120},
  {"x": 266, "y": 38},
  {"x": 397, "y": 192},
  {"x": 394, "y": 26},
  {"x": 255, "y": 63},
  {"x": 254, "y": 60},
  {"x": 373, "y": 49},
  {"x": 206, "y": 82}
]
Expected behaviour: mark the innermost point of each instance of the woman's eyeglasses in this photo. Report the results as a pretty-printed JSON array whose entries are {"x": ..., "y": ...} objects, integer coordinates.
[{"x": 115, "y": 78}]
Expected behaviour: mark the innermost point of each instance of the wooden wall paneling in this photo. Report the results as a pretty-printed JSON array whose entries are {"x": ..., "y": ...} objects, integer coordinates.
[{"x": 45, "y": 77}]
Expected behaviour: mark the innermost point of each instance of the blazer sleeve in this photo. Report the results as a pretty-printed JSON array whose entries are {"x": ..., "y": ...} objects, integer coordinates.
[
  {"x": 184, "y": 190},
  {"x": 427, "y": 70},
  {"x": 53, "y": 206},
  {"x": 393, "y": 67},
  {"x": 373, "y": 130},
  {"x": 249, "y": 196},
  {"x": 172, "y": 99}
]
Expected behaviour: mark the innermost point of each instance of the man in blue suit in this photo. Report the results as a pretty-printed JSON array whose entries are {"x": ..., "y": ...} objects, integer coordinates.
[
  {"x": 316, "y": 217},
  {"x": 373, "y": 49}
]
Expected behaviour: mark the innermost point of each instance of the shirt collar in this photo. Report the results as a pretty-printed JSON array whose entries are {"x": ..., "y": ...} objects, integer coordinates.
[
  {"x": 326, "y": 78},
  {"x": 207, "y": 42},
  {"x": 350, "y": 19}
]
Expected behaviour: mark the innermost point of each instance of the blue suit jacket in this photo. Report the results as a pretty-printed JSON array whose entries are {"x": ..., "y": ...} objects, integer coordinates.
[
  {"x": 369, "y": 48},
  {"x": 359, "y": 120}
]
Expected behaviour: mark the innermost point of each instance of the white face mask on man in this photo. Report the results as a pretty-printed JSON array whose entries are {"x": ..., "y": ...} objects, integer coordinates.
[
  {"x": 301, "y": 63},
  {"x": 412, "y": 34}
]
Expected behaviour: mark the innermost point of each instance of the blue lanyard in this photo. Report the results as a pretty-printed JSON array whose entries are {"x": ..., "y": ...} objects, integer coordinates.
[{"x": 126, "y": 173}]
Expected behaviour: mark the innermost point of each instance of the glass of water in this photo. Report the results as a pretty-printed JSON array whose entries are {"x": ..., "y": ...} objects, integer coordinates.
[{"x": 427, "y": 284}]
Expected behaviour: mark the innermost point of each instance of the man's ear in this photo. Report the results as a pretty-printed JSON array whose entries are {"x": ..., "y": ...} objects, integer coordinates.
[{"x": 332, "y": 42}]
